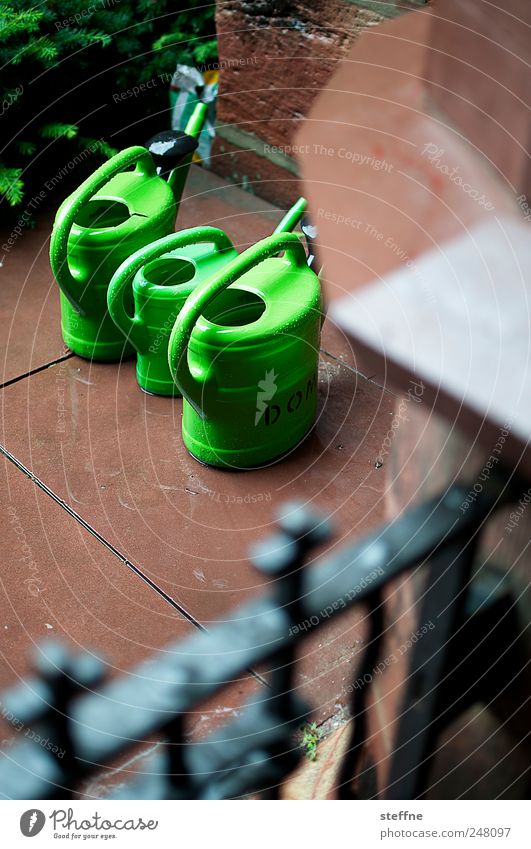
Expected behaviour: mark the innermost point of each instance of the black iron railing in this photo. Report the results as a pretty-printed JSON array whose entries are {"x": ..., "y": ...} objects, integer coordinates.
[{"x": 473, "y": 649}]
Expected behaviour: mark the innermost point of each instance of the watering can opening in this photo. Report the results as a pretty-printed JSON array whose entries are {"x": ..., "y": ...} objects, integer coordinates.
[
  {"x": 235, "y": 307},
  {"x": 169, "y": 271},
  {"x": 100, "y": 213}
]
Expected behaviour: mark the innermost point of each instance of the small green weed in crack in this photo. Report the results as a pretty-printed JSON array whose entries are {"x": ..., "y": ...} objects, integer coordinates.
[{"x": 310, "y": 736}]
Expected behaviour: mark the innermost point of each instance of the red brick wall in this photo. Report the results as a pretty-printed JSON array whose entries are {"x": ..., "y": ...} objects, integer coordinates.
[{"x": 275, "y": 56}]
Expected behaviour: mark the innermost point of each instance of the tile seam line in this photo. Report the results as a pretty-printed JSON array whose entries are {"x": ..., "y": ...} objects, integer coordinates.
[
  {"x": 93, "y": 532},
  {"x": 69, "y": 356},
  {"x": 357, "y": 372},
  {"x": 110, "y": 547},
  {"x": 36, "y": 370}
]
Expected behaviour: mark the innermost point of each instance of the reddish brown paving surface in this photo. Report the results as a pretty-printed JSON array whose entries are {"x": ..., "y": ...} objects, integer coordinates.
[
  {"x": 121, "y": 464},
  {"x": 113, "y": 455},
  {"x": 59, "y": 581}
]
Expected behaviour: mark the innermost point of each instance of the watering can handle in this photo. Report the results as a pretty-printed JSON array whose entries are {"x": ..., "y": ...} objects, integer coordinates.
[
  {"x": 133, "y": 327},
  {"x": 67, "y": 215},
  {"x": 196, "y": 303}
]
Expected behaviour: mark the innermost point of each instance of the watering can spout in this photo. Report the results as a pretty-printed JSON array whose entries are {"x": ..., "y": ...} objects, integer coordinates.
[
  {"x": 196, "y": 121},
  {"x": 292, "y": 217},
  {"x": 172, "y": 150}
]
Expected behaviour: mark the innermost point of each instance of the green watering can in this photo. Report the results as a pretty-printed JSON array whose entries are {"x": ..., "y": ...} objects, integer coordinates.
[
  {"x": 163, "y": 275},
  {"x": 244, "y": 353},
  {"x": 110, "y": 216}
]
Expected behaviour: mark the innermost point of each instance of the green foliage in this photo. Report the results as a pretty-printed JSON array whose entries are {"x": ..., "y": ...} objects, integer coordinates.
[
  {"x": 11, "y": 186},
  {"x": 310, "y": 737},
  {"x": 205, "y": 52},
  {"x": 59, "y": 131},
  {"x": 62, "y": 60},
  {"x": 26, "y": 148},
  {"x": 190, "y": 31}
]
